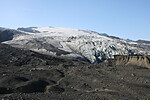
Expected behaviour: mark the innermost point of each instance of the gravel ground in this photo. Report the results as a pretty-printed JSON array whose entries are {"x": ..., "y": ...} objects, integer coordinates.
[{"x": 26, "y": 75}]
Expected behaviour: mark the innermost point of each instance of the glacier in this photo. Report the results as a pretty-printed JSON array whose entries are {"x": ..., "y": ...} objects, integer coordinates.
[{"x": 76, "y": 43}]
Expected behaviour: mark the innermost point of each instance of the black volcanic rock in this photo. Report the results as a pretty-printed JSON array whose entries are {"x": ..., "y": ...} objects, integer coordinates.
[
  {"x": 7, "y": 34},
  {"x": 113, "y": 37},
  {"x": 58, "y": 79},
  {"x": 14, "y": 56},
  {"x": 143, "y": 41},
  {"x": 33, "y": 86}
]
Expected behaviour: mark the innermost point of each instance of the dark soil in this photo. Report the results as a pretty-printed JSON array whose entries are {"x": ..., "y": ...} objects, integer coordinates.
[{"x": 26, "y": 75}]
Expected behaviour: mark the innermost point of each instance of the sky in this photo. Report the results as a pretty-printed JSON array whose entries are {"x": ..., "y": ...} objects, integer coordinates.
[{"x": 128, "y": 19}]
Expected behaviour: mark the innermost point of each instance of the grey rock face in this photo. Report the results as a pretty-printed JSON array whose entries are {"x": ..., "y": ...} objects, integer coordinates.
[{"x": 8, "y": 34}]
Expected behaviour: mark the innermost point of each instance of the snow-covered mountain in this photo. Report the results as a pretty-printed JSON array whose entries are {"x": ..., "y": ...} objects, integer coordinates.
[{"x": 76, "y": 43}]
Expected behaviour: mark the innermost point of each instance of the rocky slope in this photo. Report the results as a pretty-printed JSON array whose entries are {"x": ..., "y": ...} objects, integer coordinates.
[
  {"x": 143, "y": 41},
  {"x": 10, "y": 56},
  {"x": 8, "y": 34},
  {"x": 76, "y": 44},
  {"x": 27, "y": 75}
]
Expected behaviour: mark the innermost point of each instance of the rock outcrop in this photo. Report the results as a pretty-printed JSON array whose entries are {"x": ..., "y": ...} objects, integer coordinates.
[
  {"x": 8, "y": 34},
  {"x": 143, "y": 61}
]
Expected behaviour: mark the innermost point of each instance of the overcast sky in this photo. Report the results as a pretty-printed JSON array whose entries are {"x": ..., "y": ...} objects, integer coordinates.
[{"x": 122, "y": 18}]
